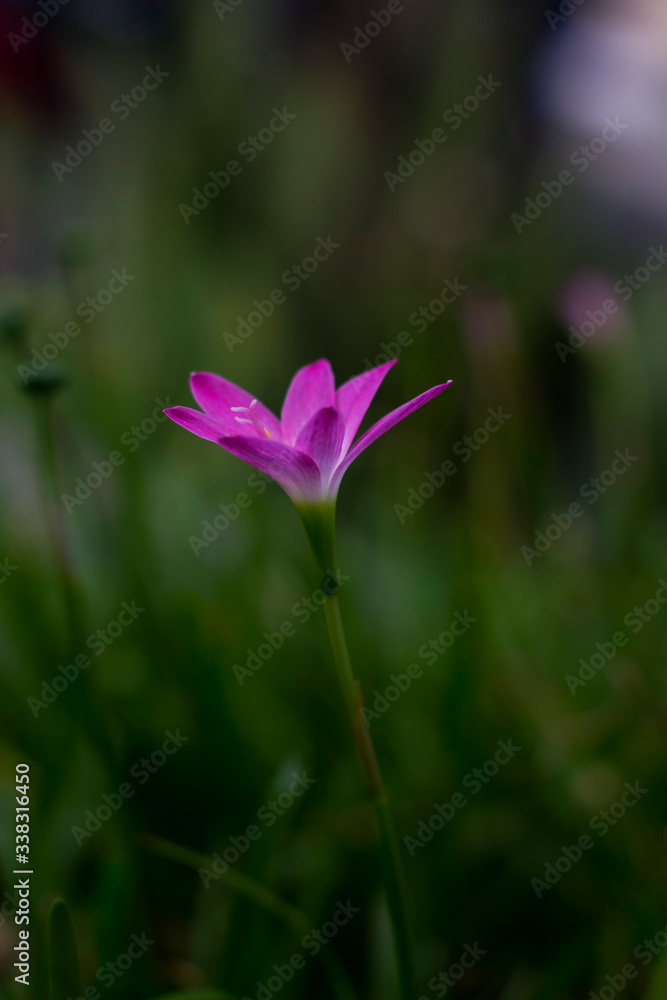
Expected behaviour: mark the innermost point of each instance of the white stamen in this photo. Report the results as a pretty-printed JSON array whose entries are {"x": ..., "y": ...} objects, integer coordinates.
[{"x": 252, "y": 417}]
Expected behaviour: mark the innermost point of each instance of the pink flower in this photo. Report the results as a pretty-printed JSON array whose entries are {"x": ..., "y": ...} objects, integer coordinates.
[{"x": 308, "y": 450}]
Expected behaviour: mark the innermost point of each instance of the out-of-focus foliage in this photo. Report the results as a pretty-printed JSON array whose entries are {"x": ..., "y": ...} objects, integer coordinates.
[{"x": 105, "y": 504}]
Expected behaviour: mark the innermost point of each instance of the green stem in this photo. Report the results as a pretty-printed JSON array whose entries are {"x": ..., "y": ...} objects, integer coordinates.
[
  {"x": 389, "y": 852},
  {"x": 319, "y": 522},
  {"x": 340, "y": 655}
]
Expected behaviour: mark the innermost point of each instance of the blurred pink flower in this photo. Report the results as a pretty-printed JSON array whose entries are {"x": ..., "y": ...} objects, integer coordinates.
[{"x": 590, "y": 301}]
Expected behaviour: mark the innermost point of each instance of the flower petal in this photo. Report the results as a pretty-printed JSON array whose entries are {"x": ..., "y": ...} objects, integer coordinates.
[
  {"x": 383, "y": 425},
  {"x": 295, "y": 472},
  {"x": 322, "y": 440},
  {"x": 355, "y": 396},
  {"x": 197, "y": 422},
  {"x": 217, "y": 396},
  {"x": 310, "y": 390}
]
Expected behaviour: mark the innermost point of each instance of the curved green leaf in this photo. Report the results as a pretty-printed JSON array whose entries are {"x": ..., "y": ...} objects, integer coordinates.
[{"x": 300, "y": 924}]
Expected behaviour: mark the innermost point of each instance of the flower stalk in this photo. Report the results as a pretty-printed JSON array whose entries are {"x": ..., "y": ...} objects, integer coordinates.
[{"x": 319, "y": 522}]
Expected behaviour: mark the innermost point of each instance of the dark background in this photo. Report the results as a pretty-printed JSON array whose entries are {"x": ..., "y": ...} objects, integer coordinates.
[{"x": 131, "y": 538}]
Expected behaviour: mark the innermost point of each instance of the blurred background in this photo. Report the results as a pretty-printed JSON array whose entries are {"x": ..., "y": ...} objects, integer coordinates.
[{"x": 516, "y": 251}]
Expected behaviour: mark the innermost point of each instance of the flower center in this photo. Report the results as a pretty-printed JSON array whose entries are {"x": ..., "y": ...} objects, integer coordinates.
[{"x": 250, "y": 417}]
